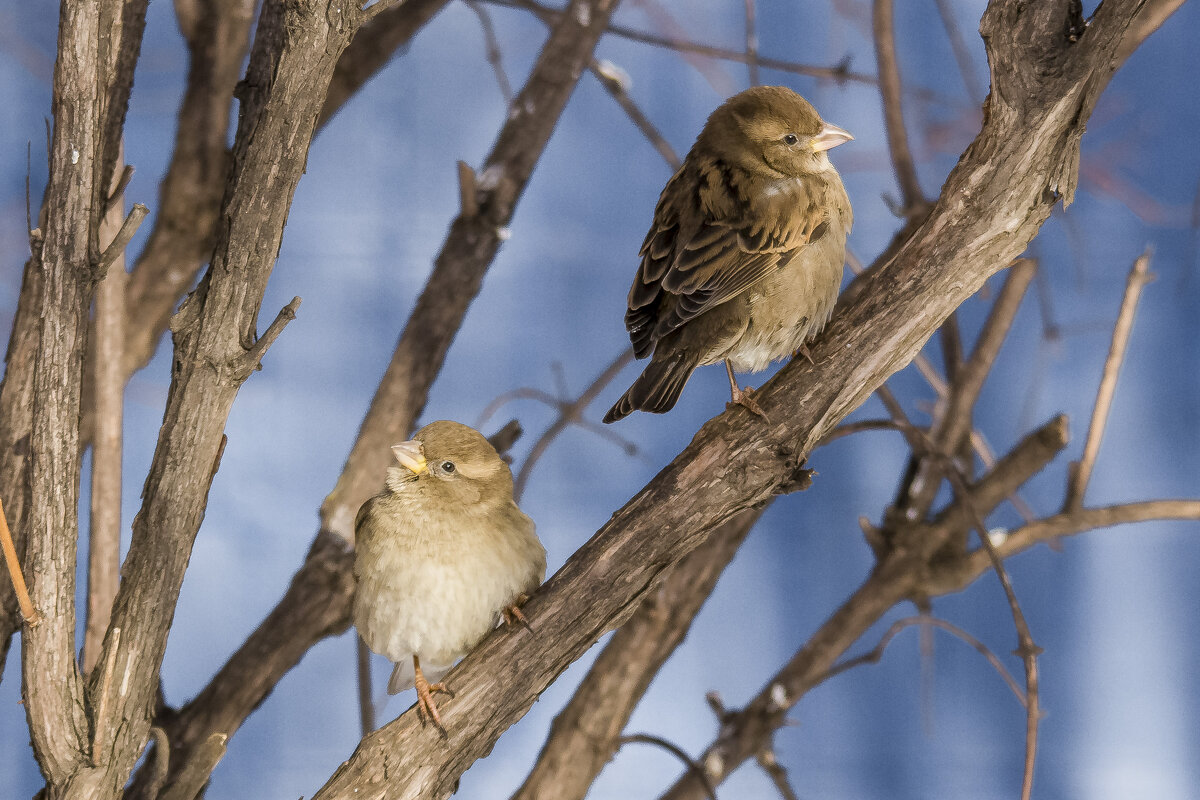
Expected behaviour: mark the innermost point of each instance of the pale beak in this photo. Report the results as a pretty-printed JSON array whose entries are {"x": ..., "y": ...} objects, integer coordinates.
[
  {"x": 410, "y": 456},
  {"x": 830, "y": 137}
]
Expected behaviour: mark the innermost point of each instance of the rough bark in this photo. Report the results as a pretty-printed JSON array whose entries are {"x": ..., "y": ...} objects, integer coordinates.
[{"x": 584, "y": 736}]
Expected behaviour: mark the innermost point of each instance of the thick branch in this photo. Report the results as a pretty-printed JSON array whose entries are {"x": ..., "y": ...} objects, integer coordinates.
[
  {"x": 214, "y": 337},
  {"x": 586, "y": 733},
  {"x": 898, "y": 576},
  {"x": 53, "y": 691}
]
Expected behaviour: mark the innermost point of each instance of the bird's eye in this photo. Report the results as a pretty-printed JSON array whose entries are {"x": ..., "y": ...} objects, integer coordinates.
[
  {"x": 447, "y": 466},
  {"x": 790, "y": 139}
]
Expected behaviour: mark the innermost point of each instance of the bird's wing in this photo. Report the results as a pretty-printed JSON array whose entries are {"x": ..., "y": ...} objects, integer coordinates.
[{"x": 711, "y": 241}]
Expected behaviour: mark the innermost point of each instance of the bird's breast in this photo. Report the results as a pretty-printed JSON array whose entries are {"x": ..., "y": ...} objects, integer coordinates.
[{"x": 791, "y": 305}]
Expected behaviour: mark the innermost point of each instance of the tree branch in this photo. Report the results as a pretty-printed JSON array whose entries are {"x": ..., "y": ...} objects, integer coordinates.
[
  {"x": 214, "y": 336},
  {"x": 52, "y": 689},
  {"x": 585, "y": 735},
  {"x": 897, "y": 576}
]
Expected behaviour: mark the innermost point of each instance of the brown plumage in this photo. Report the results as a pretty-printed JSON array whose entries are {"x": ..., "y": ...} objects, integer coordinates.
[
  {"x": 744, "y": 258},
  {"x": 440, "y": 555}
]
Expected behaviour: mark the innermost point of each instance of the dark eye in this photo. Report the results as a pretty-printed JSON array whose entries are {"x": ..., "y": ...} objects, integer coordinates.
[
  {"x": 790, "y": 138},
  {"x": 447, "y": 466}
]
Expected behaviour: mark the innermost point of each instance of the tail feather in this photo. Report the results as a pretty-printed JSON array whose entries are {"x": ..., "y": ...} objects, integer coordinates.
[{"x": 657, "y": 389}]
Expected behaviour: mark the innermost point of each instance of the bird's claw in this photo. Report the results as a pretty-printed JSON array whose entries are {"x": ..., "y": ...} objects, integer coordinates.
[
  {"x": 427, "y": 709},
  {"x": 512, "y": 613},
  {"x": 803, "y": 350},
  {"x": 744, "y": 398}
]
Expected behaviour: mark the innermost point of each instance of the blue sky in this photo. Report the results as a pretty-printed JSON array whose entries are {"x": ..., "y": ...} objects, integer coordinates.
[{"x": 1113, "y": 609}]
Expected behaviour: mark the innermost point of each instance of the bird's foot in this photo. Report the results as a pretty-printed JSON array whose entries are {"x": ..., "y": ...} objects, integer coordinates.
[
  {"x": 803, "y": 350},
  {"x": 512, "y": 613},
  {"x": 427, "y": 709},
  {"x": 745, "y": 398}
]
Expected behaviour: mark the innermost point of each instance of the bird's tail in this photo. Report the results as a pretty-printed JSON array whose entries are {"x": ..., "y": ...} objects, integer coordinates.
[
  {"x": 403, "y": 677},
  {"x": 656, "y": 389}
]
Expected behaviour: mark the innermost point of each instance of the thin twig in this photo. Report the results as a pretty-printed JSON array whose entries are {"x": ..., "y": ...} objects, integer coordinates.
[
  {"x": 1027, "y": 649},
  {"x": 912, "y": 199},
  {"x": 775, "y": 771},
  {"x": 875, "y": 655},
  {"x": 953, "y": 423},
  {"x": 616, "y": 81},
  {"x": 840, "y": 74},
  {"x": 569, "y": 413},
  {"x": 253, "y": 355},
  {"x": 121, "y": 240},
  {"x": 494, "y": 56},
  {"x": 28, "y": 612},
  {"x": 851, "y": 428},
  {"x": 1081, "y": 471},
  {"x": 675, "y": 750},
  {"x": 751, "y": 43},
  {"x": 962, "y": 56}
]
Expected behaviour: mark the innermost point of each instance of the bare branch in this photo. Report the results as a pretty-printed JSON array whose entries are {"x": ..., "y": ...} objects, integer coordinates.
[
  {"x": 614, "y": 79},
  {"x": 751, "y": 42},
  {"x": 492, "y": 45},
  {"x": 675, "y": 750},
  {"x": 875, "y": 655},
  {"x": 913, "y": 201},
  {"x": 775, "y": 771},
  {"x": 104, "y": 529},
  {"x": 252, "y": 358},
  {"x": 117, "y": 248},
  {"x": 568, "y": 414},
  {"x": 53, "y": 690},
  {"x": 1081, "y": 471},
  {"x": 584, "y": 735},
  {"x": 898, "y": 576},
  {"x": 840, "y": 73}
]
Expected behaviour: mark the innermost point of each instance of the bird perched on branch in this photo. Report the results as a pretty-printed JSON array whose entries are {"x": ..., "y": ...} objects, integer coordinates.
[
  {"x": 440, "y": 556},
  {"x": 744, "y": 258}
]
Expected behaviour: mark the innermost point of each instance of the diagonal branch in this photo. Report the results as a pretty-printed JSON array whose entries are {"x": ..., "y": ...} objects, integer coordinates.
[
  {"x": 585, "y": 734},
  {"x": 912, "y": 199},
  {"x": 896, "y": 577},
  {"x": 1081, "y": 471}
]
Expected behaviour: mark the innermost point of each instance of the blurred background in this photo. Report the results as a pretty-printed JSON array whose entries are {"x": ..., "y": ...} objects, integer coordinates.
[{"x": 1114, "y": 609}]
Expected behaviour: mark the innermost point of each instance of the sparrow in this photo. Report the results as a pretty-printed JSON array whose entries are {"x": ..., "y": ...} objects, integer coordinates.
[
  {"x": 440, "y": 556},
  {"x": 744, "y": 258}
]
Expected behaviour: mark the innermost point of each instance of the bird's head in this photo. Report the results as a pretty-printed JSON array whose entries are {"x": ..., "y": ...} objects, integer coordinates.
[
  {"x": 451, "y": 461},
  {"x": 771, "y": 131}
]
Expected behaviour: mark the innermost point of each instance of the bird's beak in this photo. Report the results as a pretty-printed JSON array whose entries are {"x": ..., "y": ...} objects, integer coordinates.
[
  {"x": 410, "y": 456},
  {"x": 829, "y": 137}
]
